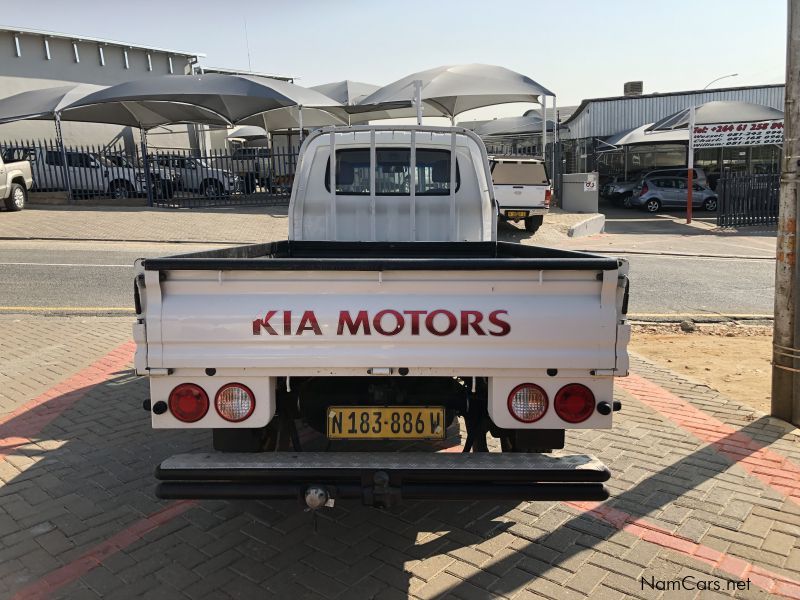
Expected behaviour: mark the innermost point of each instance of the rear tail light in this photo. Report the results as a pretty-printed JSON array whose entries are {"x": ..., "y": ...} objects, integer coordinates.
[
  {"x": 574, "y": 403},
  {"x": 188, "y": 403},
  {"x": 547, "y": 194},
  {"x": 644, "y": 190},
  {"x": 235, "y": 402},
  {"x": 527, "y": 403}
]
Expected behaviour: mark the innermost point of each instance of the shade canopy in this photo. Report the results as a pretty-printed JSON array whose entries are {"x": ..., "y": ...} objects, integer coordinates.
[
  {"x": 641, "y": 135},
  {"x": 525, "y": 125},
  {"x": 43, "y": 103},
  {"x": 247, "y": 132},
  {"x": 454, "y": 89},
  {"x": 347, "y": 92},
  {"x": 719, "y": 111},
  {"x": 232, "y": 98}
]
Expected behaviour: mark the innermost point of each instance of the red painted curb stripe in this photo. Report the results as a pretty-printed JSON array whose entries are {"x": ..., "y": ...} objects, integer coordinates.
[
  {"x": 21, "y": 425},
  {"x": 772, "y": 468},
  {"x": 774, "y": 583},
  {"x": 95, "y": 556}
]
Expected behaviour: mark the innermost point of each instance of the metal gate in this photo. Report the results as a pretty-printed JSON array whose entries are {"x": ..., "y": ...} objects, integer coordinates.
[{"x": 748, "y": 200}]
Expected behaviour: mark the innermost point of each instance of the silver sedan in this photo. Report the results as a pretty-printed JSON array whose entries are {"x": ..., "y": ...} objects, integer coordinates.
[{"x": 656, "y": 193}]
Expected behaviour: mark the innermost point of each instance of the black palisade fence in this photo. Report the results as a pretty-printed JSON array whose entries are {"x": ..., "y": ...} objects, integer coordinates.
[
  {"x": 748, "y": 200},
  {"x": 177, "y": 178}
]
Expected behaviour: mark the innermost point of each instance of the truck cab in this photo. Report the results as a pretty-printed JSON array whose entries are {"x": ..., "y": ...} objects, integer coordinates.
[{"x": 390, "y": 324}]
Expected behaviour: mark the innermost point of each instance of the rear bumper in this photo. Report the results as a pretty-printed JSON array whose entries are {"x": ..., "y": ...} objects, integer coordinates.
[{"x": 383, "y": 479}]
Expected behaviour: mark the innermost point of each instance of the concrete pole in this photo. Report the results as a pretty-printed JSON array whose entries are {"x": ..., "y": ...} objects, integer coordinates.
[{"x": 786, "y": 336}]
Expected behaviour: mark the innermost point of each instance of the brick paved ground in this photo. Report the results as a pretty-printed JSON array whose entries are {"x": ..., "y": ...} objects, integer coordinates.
[{"x": 702, "y": 486}]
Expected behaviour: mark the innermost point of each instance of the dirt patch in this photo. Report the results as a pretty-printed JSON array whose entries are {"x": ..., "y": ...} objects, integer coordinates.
[{"x": 732, "y": 358}]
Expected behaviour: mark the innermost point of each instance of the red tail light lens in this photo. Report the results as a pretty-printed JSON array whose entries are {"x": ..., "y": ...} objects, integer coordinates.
[
  {"x": 645, "y": 189},
  {"x": 188, "y": 402},
  {"x": 547, "y": 195},
  {"x": 527, "y": 403},
  {"x": 235, "y": 402},
  {"x": 574, "y": 403}
]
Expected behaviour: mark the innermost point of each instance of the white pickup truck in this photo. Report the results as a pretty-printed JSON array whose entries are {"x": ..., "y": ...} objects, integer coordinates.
[
  {"x": 522, "y": 189},
  {"x": 15, "y": 181},
  {"x": 390, "y": 317}
]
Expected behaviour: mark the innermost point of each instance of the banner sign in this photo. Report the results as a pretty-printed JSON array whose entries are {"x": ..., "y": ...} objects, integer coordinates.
[{"x": 738, "y": 134}]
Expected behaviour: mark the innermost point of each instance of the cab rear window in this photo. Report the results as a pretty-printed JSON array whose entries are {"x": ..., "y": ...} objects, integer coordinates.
[
  {"x": 392, "y": 172},
  {"x": 518, "y": 173}
]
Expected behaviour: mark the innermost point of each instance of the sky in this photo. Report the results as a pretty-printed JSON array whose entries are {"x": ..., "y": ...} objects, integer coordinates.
[{"x": 576, "y": 48}]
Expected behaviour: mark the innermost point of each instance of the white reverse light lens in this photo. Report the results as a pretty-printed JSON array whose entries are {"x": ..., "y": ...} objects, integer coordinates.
[
  {"x": 235, "y": 402},
  {"x": 527, "y": 403}
]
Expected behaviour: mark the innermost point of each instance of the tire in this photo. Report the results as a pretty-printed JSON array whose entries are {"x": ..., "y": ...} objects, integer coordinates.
[
  {"x": 120, "y": 190},
  {"x": 211, "y": 189},
  {"x": 652, "y": 205},
  {"x": 533, "y": 223},
  {"x": 710, "y": 204},
  {"x": 626, "y": 201},
  {"x": 17, "y": 198}
]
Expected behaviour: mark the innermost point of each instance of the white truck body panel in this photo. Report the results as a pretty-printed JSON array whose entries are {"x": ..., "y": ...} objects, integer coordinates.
[{"x": 527, "y": 189}]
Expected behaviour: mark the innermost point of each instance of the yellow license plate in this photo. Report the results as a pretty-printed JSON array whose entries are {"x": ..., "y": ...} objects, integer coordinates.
[
  {"x": 516, "y": 214},
  {"x": 386, "y": 423}
]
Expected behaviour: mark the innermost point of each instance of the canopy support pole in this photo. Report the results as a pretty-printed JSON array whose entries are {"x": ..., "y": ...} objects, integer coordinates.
[
  {"x": 553, "y": 166},
  {"x": 146, "y": 165},
  {"x": 418, "y": 99},
  {"x": 63, "y": 151},
  {"x": 690, "y": 163},
  {"x": 300, "y": 121},
  {"x": 544, "y": 125}
]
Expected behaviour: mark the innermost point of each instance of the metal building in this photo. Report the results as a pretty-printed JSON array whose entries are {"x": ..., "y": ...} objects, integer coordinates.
[
  {"x": 33, "y": 59},
  {"x": 584, "y": 132}
]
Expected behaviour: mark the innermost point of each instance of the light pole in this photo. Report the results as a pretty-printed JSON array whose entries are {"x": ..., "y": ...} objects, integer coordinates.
[{"x": 718, "y": 78}]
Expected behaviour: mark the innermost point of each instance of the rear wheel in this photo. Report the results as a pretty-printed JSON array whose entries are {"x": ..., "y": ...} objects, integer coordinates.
[
  {"x": 17, "y": 198},
  {"x": 120, "y": 190},
  {"x": 626, "y": 201},
  {"x": 652, "y": 205},
  {"x": 533, "y": 223},
  {"x": 710, "y": 204},
  {"x": 212, "y": 189}
]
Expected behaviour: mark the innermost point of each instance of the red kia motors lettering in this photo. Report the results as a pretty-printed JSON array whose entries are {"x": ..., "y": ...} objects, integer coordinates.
[{"x": 389, "y": 322}]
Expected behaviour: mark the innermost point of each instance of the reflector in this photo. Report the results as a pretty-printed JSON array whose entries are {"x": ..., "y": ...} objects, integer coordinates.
[
  {"x": 188, "y": 402},
  {"x": 574, "y": 403}
]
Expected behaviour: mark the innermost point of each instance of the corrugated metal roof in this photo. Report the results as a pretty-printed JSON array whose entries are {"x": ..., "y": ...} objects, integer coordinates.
[
  {"x": 85, "y": 38},
  {"x": 602, "y": 117}
]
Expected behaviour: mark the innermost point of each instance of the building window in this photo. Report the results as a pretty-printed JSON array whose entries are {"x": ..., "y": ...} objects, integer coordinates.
[
  {"x": 47, "y": 48},
  {"x": 102, "y": 56},
  {"x": 125, "y": 57},
  {"x": 169, "y": 59},
  {"x": 149, "y": 62},
  {"x": 75, "y": 52},
  {"x": 17, "y": 49}
]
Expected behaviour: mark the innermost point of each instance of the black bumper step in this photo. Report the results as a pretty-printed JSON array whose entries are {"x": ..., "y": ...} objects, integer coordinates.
[{"x": 383, "y": 479}]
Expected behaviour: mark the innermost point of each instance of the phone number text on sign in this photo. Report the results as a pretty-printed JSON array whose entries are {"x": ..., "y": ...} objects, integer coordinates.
[{"x": 738, "y": 134}]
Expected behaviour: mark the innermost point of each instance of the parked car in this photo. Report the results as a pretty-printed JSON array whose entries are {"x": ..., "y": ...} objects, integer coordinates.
[
  {"x": 15, "y": 181},
  {"x": 197, "y": 175},
  {"x": 657, "y": 192},
  {"x": 622, "y": 191},
  {"x": 251, "y": 165},
  {"x": 522, "y": 189},
  {"x": 88, "y": 173},
  {"x": 164, "y": 180}
]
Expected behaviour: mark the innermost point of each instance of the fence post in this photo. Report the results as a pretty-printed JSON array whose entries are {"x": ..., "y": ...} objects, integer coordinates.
[
  {"x": 146, "y": 167},
  {"x": 63, "y": 151}
]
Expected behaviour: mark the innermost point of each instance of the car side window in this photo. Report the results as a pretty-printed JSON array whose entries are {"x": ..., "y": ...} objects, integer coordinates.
[{"x": 680, "y": 184}]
